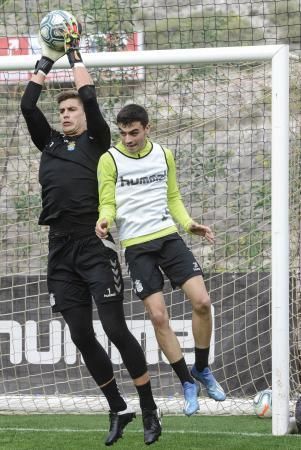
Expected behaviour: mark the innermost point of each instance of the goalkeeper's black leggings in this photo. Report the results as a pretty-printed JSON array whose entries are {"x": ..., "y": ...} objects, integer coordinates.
[{"x": 79, "y": 320}]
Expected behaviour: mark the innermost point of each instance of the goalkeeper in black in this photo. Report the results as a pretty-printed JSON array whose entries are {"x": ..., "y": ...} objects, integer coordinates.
[{"x": 82, "y": 267}]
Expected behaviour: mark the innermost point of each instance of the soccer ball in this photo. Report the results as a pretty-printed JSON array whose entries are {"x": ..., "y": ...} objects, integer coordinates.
[
  {"x": 53, "y": 27},
  {"x": 262, "y": 403}
]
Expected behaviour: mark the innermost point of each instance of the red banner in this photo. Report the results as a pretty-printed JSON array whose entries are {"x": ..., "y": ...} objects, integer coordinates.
[{"x": 14, "y": 45}]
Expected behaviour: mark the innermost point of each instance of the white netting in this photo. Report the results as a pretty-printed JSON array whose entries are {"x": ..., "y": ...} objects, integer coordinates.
[{"x": 217, "y": 120}]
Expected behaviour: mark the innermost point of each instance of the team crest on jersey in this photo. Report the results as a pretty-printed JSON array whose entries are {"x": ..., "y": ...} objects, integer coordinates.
[
  {"x": 71, "y": 146},
  {"x": 138, "y": 286}
]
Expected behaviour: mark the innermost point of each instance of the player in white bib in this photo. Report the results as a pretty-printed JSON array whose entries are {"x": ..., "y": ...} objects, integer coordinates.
[{"x": 138, "y": 190}]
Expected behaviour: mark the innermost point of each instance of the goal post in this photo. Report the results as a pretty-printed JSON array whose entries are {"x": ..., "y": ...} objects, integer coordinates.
[
  {"x": 278, "y": 57},
  {"x": 280, "y": 240}
]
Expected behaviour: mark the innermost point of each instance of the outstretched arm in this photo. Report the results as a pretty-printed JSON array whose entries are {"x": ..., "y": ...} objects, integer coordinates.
[
  {"x": 72, "y": 42},
  {"x": 176, "y": 205},
  {"x": 37, "y": 124},
  {"x": 96, "y": 124}
]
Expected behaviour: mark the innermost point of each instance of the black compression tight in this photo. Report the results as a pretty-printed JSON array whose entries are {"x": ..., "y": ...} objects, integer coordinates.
[
  {"x": 114, "y": 325},
  {"x": 79, "y": 320}
]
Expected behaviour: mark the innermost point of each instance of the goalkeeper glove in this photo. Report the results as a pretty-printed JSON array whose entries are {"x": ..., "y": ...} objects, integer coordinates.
[
  {"x": 72, "y": 40},
  {"x": 49, "y": 56}
]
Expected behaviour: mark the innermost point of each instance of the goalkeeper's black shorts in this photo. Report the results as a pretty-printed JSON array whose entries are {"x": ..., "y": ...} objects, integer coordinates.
[
  {"x": 82, "y": 266},
  {"x": 169, "y": 255}
]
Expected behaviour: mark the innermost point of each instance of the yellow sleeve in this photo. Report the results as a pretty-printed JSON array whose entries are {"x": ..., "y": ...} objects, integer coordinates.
[
  {"x": 106, "y": 175},
  {"x": 175, "y": 204}
]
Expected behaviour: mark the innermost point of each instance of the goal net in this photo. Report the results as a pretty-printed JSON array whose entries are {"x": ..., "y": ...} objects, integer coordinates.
[{"x": 217, "y": 119}]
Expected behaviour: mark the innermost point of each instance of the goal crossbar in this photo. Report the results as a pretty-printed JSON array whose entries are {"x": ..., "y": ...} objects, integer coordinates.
[
  {"x": 279, "y": 57},
  {"x": 158, "y": 57}
]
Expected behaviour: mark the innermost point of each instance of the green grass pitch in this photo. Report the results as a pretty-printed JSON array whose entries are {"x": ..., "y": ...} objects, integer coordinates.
[{"x": 77, "y": 432}]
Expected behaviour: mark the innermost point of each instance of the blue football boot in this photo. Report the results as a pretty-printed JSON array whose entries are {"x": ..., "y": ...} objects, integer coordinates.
[
  {"x": 206, "y": 377},
  {"x": 191, "y": 392}
]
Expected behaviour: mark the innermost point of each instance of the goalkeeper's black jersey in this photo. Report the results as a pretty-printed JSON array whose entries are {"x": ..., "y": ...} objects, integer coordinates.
[{"x": 68, "y": 165}]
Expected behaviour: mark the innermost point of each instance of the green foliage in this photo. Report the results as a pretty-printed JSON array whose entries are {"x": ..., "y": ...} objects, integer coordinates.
[
  {"x": 284, "y": 13},
  {"x": 286, "y": 16},
  {"x": 103, "y": 16},
  {"x": 212, "y": 28},
  {"x": 27, "y": 206}
]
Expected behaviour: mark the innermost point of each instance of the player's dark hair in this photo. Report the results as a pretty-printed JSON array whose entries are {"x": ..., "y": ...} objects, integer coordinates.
[
  {"x": 65, "y": 95},
  {"x": 132, "y": 113}
]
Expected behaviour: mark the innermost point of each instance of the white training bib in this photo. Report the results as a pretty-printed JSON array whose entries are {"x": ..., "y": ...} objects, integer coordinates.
[{"x": 141, "y": 193}]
